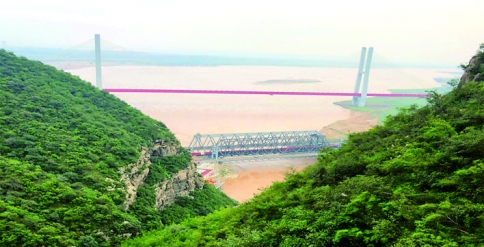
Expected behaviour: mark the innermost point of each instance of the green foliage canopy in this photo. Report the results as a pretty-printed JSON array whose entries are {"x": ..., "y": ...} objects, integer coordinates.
[
  {"x": 417, "y": 180},
  {"x": 62, "y": 142}
]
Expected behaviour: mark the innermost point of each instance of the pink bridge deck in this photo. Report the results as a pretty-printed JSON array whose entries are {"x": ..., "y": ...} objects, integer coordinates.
[{"x": 127, "y": 90}]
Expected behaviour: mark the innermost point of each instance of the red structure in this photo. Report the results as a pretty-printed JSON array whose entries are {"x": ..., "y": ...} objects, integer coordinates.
[{"x": 210, "y": 181}]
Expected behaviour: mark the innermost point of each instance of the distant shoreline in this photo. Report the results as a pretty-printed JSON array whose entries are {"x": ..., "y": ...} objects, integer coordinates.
[
  {"x": 123, "y": 57},
  {"x": 68, "y": 65}
]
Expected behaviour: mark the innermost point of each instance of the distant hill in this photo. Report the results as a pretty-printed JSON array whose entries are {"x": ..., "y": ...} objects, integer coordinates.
[
  {"x": 150, "y": 58},
  {"x": 126, "y": 57},
  {"x": 417, "y": 180},
  {"x": 79, "y": 167}
]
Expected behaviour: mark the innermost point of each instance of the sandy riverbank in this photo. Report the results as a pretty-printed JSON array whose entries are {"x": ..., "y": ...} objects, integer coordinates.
[
  {"x": 252, "y": 178},
  {"x": 357, "y": 122}
]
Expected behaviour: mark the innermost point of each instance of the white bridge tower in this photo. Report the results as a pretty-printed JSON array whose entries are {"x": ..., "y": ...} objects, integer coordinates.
[
  {"x": 357, "y": 100},
  {"x": 97, "y": 44}
]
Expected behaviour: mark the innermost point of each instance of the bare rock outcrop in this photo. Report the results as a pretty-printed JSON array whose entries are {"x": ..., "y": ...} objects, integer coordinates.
[
  {"x": 474, "y": 71},
  {"x": 134, "y": 174},
  {"x": 468, "y": 75},
  {"x": 479, "y": 77},
  {"x": 181, "y": 184},
  {"x": 162, "y": 148}
]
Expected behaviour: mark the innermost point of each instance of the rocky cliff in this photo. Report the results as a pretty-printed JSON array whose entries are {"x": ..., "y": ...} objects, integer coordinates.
[
  {"x": 474, "y": 71},
  {"x": 178, "y": 185}
]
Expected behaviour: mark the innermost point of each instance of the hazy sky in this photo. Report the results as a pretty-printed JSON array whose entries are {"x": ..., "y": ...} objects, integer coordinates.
[{"x": 433, "y": 31}]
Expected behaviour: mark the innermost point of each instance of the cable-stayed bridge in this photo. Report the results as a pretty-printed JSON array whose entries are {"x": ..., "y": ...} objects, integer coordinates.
[{"x": 359, "y": 94}]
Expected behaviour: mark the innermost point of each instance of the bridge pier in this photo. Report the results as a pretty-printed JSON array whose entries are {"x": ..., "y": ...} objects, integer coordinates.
[{"x": 214, "y": 152}]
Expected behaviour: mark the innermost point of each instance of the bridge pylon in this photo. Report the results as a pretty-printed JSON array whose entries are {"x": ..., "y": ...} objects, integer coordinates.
[
  {"x": 361, "y": 100},
  {"x": 97, "y": 46}
]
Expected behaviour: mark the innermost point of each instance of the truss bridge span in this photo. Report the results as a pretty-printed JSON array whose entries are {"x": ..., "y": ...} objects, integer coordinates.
[{"x": 285, "y": 143}]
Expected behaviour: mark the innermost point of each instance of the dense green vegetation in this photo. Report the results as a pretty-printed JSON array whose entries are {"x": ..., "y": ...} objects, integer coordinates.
[
  {"x": 203, "y": 202},
  {"x": 417, "y": 180},
  {"x": 62, "y": 142}
]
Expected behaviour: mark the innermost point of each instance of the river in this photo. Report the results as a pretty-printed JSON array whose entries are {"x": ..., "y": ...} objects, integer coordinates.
[{"x": 188, "y": 114}]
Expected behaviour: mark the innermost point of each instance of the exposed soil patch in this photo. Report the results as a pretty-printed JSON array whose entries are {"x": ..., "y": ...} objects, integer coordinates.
[
  {"x": 253, "y": 177},
  {"x": 358, "y": 122}
]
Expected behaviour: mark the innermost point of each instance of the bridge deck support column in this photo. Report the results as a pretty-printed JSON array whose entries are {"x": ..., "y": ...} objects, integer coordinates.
[
  {"x": 215, "y": 152},
  {"x": 97, "y": 44},
  {"x": 364, "y": 90},
  {"x": 358, "y": 77}
]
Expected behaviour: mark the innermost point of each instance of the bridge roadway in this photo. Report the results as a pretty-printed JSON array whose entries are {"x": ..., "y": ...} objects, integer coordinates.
[
  {"x": 195, "y": 91},
  {"x": 257, "y": 158}
]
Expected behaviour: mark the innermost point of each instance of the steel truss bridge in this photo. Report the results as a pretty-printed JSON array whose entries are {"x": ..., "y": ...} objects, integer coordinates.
[{"x": 259, "y": 143}]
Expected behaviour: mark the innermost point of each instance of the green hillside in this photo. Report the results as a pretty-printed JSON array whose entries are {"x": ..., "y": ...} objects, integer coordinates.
[
  {"x": 417, "y": 180},
  {"x": 65, "y": 148}
]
